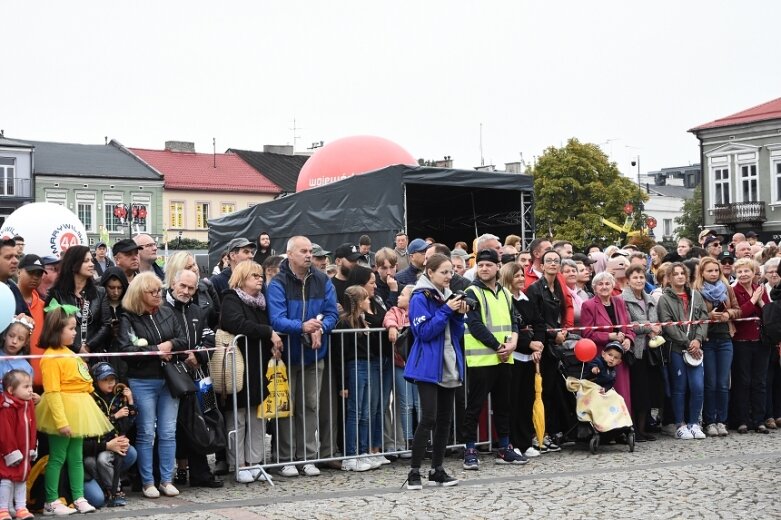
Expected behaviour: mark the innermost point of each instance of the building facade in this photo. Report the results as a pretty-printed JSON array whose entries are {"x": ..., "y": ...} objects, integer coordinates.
[
  {"x": 741, "y": 157},
  {"x": 16, "y": 176}
]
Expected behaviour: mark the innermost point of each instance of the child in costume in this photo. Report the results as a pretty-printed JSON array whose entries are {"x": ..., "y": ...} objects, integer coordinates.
[
  {"x": 67, "y": 412},
  {"x": 17, "y": 442}
]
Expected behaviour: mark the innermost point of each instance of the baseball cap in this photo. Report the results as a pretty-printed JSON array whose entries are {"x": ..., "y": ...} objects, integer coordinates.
[
  {"x": 100, "y": 244},
  {"x": 487, "y": 255},
  {"x": 710, "y": 239},
  {"x": 704, "y": 233},
  {"x": 417, "y": 246},
  {"x": 126, "y": 245},
  {"x": 751, "y": 234},
  {"x": 103, "y": 371},
  {"x": 726, "y": 255},
  {"x": 583, "y": 259},
  {"x": 50, "y": 260},
  {"x": 238, "y": 243},
  {"x": 347, "y": 251},
  {"x": 614, "y": 345},
  {"x": 31, "y": 263},
  {"x": 459, "y": 252},
  {"x": 319, "y": 251}
]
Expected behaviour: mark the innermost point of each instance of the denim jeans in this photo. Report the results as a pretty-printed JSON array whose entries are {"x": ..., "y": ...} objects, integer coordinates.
[
  {"x": 685, "y": 378},
  {"x": 157, "y": 408},
  {"x": 103, "y": 469},
  {"x": 717, "y": 363},
  {"x": 356, "y": 421},
  {"x": 408, "y": 399},
  {"x": 380, "y": 388}
]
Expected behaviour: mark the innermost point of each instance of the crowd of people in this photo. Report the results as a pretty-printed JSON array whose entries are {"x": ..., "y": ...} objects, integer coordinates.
[{"x": 390, "y": 354}]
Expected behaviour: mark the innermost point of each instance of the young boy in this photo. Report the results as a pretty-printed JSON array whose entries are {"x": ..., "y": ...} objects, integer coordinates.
[
  {"x": 17, "y": 443},
  {"x": 112, "y": 452},
  {"x": 603, "y": 369}
]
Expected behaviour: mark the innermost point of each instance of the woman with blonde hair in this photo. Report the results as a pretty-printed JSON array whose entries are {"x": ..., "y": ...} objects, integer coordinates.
[
  {"x": 722, "y": 307},
  {"x": 656, "y": 256}
]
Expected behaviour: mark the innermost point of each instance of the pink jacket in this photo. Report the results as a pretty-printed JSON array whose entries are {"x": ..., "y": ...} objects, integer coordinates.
[
  {"x": 399, "y": 318},
  {"x": 593, "y": 313}
]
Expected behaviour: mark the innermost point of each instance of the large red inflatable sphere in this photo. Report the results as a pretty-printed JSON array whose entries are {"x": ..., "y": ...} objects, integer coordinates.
[{"x": 350, "y": 156}]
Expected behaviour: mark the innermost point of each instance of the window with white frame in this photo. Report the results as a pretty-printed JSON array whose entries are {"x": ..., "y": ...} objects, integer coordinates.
[
  {"x": 111, "y": 221},
  {"x": 141, "y": 213},
  {"x": 667, "y": 226},
  {"x": 85, "y": 210},
  {"x": 749, "y": 182},
  {"x": 7, "y": 168},
  {"x": 721, "y": 191},
  {"x": 775, "y": 171}
]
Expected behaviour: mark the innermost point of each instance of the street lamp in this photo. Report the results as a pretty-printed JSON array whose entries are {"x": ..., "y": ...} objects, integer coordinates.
[
  {"x": 636, "y": 162},
  {"x": 134, "y": 214}
]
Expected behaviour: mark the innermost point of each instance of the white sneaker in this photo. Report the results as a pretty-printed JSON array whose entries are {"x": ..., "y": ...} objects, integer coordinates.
[
  {"x": 169, "y": 490},
  {"x": 151, "y": 491},
  {"x": 683, "y": 433},
  {"x": 371, "y": 461},
  {"x": 530, "y": 452},
  {"x": 355, "y": 464},
  {"x": 57, "y": 508},
  {"x": 310, "y": 470},
  {"x": 259, "y": 475},
  {"x": 722, "y": 429},
  {"x": 82, "y": 506},
  {"x": 245, "y": 477},
  {"x": 696, "y": 431},
  {"x": 711, "y": 430},
  {"x": 289, "y": 471},
  {"x": 381, "y": 459}
]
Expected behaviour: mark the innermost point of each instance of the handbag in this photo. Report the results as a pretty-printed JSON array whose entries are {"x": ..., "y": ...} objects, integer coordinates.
[
  {"x": 205, "y": 391},
  {"x": 403, "y": 343},
  {"x": 204, "y": 431},
  {"x": 178, "y": 379},
  {"x": 276, "y": 405},
  {"x": 221, "y": 364}
]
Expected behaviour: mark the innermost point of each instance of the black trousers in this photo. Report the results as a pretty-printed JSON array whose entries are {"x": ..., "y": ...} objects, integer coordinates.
[
  {"x": 494, "y": 380},
  {"x": 436, "y": 410},
  {"x": 749, "y": 385},
  {"x": 522, "y": 399},
  {"x": 640, "y": 387}
]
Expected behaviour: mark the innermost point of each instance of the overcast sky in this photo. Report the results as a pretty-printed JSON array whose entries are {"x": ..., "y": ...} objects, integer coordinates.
[{"x": 425, "y": 74}]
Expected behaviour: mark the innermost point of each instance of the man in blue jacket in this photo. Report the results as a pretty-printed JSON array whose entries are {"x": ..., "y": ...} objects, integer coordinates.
[{"x": 302, "y": 304}]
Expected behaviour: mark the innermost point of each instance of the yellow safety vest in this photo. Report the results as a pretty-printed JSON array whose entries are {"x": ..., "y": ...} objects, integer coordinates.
[{"x": 496, "y": 315}]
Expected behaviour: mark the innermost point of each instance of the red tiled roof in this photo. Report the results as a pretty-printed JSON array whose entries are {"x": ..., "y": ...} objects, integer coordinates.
[
  {"x": 196, "y": 171},
  {"x": 763, "y": 112}
]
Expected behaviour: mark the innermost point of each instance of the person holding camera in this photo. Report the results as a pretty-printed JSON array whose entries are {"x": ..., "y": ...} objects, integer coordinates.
[
  {"x": 491, "y": 338},
  {"x": 435, "y": 365}
]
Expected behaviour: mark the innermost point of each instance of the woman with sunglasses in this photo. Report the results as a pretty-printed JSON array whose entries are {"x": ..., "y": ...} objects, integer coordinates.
[{"x": 149, "y": 326}]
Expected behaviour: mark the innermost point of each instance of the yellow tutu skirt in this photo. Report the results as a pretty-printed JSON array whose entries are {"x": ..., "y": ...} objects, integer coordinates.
[{"x": 84, "y": 417}]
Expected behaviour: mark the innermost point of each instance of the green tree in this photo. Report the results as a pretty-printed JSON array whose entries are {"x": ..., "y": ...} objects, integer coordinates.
[
  {"x": 690, "y": 221},
  {"x": 575, "y": 187}
]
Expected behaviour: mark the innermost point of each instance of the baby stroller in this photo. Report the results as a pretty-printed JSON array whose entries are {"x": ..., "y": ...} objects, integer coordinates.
[{"x": 598, "y": 417}]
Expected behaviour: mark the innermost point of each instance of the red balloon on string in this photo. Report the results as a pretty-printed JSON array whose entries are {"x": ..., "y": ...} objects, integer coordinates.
[{"x": 585, "y": 350}]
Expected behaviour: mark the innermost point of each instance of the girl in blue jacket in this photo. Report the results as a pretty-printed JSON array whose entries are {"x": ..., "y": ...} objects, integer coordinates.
[{"x": 435, "y": 364}]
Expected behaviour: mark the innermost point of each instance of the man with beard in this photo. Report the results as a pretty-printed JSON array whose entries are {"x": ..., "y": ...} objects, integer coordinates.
[
  {"x": 264, "y": 248},
  {"x": 345, "y": 257}
]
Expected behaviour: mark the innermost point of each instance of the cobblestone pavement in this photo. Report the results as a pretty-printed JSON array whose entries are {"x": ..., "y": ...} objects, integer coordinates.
[{"x": 731, "y": 477}]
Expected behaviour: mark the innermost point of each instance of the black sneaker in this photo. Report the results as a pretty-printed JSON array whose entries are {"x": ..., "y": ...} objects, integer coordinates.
[
  {"x": 413, "y": 479},
  {"x": 509, "y": 456},
  {"x": 438, "y": 477},
  {"x": 181, "y": 477}
]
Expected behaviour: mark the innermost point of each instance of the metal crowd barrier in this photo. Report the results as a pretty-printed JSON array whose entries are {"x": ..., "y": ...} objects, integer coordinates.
[{"x": 321, "y": 422}]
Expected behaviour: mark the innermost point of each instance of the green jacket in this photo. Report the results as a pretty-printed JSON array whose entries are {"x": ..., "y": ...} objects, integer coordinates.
[{"x": 670, "y": 308}]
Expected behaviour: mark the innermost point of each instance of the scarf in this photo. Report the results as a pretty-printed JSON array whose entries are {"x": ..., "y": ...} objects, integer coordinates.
[
  {"x": 714, "y": 293},
  {"x": 258, "y": 301}
]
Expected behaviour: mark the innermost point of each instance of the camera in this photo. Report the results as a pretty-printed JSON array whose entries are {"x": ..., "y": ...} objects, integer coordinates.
[{"x": 458, "y": 295}]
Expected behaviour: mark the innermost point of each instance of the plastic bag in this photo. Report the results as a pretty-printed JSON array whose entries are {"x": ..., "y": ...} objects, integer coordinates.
[{"x": 276, "y": 405}]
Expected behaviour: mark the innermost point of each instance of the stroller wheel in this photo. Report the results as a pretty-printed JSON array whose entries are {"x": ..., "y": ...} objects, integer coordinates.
[
  {"x": 630, "y": 440},
  {"x": 593, "y": 444}
]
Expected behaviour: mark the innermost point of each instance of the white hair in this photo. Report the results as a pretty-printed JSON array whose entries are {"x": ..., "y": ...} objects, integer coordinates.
[
  {"x": 485, "y": 237},
  {"x": 604, "y": 275}
]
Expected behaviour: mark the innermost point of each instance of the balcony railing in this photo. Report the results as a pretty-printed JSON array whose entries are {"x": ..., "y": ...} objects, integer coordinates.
[
  {"x": 740, "y": 212},
  {"x": 15, "y": 188}
]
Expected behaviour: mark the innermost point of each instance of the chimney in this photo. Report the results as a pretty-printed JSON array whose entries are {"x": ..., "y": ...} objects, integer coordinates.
[
  {"x": 513, "y": 167},
  {"x": 445, "y": 162},
  {"x": 179, "y": 146},
  {"x": 282, "y": 149}
]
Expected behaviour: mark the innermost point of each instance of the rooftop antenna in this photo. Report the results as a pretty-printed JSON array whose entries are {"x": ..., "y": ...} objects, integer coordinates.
[
  {"x": 295, "y": 130},
  {"x": 105, "y": 139},
  {"x": 482, "y": 160},
  {"x": 214, "y": 151}
]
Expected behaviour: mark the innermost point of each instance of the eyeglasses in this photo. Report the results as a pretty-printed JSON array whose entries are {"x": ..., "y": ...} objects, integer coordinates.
[
  {"x": 552, "y": 261},
  {"x": 727, "y": 262},
  {"x": 771, "y": 272},
  {"x": 256, "y": 275},
  {"x": 154, "y": 292}
]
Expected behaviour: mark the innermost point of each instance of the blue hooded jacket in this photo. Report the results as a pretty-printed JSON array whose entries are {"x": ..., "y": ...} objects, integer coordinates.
[
  {"x": 429, "y": 315},
  {"x": 292, "y": 301}
]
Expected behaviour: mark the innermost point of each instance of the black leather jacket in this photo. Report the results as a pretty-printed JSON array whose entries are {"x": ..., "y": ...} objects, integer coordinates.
[
  {"x": 99, "y": 317},
  {"x": 155, "y": 328}
]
